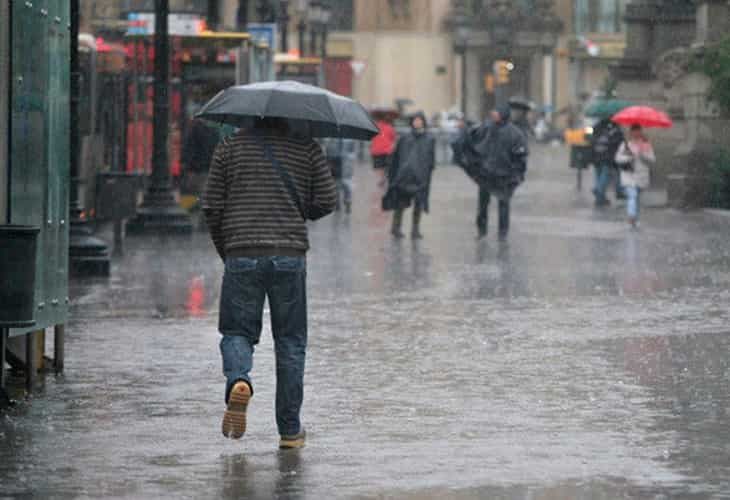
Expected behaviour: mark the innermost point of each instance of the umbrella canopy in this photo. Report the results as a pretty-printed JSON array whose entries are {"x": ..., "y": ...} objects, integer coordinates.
[
  {"x": 642, "y": 115},
  {"x": 606, "y": 108},
  {"x": 309, "y": 110}
]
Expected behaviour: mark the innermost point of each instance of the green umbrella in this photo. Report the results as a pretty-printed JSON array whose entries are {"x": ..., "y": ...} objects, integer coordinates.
[{"x": 606, "y": 108}]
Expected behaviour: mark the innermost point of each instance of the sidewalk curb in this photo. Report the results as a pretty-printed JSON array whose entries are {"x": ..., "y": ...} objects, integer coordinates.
[{"x": 718, "y": 212}]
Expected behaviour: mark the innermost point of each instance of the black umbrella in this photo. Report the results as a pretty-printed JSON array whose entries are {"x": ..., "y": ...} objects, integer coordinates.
[{"x": 309, "y": 110}]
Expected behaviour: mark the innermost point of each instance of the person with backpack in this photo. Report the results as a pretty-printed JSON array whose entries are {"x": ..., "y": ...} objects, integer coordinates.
[
  {"x": 409, "y": 176},
  {"x": 635, "y": 157},
  {"x": 607, "y": 137}
]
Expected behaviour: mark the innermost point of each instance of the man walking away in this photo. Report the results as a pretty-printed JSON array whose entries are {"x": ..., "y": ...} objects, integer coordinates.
[
  {"x": 409, "y": 177},
  {"x": 607, "y": 137},
  {"x": 262, "y": 187},
  {"x": 503, "y": 164}
]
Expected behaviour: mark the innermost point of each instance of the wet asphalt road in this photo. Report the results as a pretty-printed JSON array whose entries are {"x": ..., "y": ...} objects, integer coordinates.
[{"x": 579, "y": 361}]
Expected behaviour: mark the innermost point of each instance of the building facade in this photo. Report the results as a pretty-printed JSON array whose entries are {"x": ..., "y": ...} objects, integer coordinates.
[{"x": 594, "y": 39}]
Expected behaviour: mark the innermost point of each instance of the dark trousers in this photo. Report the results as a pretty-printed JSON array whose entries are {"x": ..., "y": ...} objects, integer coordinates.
[
  {"x": 398, "y": 219},
  {"x": 483, "y": 213},
  {"x": 246, "y": 284}
]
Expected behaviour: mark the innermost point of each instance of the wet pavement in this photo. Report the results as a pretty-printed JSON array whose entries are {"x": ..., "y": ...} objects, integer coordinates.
[{"x": 580, "y": 360}]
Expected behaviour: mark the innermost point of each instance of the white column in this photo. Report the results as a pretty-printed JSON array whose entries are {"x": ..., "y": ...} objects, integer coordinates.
[
  {"x": 548, "y": 80},
  {"x": 474, "y": 85}
]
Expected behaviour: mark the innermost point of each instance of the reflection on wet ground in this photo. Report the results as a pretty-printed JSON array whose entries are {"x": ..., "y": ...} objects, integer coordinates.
[{"x": 580, "y": 360}]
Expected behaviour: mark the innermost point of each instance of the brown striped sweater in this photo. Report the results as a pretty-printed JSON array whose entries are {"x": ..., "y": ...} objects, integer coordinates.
[{"x": 247, "y": 206}]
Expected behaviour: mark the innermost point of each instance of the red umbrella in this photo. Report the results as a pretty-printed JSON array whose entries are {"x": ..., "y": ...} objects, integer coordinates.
[{"x": 644, "y": 116}]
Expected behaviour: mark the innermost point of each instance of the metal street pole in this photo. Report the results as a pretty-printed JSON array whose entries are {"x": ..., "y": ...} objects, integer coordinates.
[
  {"x": 242, "y": 15},
  {"x": 313, "y": 41},
  {"x": 323, "y": 55},
  {"x": 284, "y": 20},
  {"x": 213, "y": 14},
  {"x": 302, "y": 27},
  {"x": 159, "y": 212},
  {"x": 463, "y": 84},
  {"x": 87, "y": 255}
]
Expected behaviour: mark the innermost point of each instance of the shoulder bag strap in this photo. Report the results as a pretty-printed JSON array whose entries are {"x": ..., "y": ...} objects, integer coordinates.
[{"x": 293, "y": 193}]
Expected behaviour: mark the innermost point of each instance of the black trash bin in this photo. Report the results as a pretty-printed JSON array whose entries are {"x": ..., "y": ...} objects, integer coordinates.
[{"x": 17, "y": 275}]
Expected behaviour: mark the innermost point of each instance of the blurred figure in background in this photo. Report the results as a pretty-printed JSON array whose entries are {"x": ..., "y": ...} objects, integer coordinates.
[
  {"x": 341, "y": 155},
  {"x": 409, "y": 176},
  {"x": 607, "y": 137},
  {"x": 635, "y": 157},
  {"x": 381, "y": 148}
]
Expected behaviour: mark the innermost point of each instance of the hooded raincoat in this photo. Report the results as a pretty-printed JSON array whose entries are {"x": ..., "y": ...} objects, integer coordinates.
[
  {"x": 494, "y": 155},
  {"x": 409, "y": 177}
]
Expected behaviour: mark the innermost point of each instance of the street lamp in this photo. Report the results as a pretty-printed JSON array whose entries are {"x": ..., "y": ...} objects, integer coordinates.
[
  {"x": 315, "y": 18},
  {"x": 87, "y": 254},
  {"x": 159, "y": 212},
  {"x": 302, "y": 8},
  {"x": 326, "y": 16},
  {"x": 284, "y": 20}
]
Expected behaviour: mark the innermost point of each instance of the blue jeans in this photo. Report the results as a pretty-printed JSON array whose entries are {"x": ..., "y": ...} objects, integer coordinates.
[
  {"x": 602, "y": 173},
  {"x": 344, "y": 190},
  {"x": 246, "y": 283},
  {"x": 633, "y": 195}
]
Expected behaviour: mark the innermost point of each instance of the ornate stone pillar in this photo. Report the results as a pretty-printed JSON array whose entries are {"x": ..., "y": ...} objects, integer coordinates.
[{"x": 705, "y": 129}]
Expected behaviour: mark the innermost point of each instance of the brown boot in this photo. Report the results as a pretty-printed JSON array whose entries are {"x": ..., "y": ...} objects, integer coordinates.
[
  {"x": 293, "y": 442},
  {"x": 234, "y": 419}
]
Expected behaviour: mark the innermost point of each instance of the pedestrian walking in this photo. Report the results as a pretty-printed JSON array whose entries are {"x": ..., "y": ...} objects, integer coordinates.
[
  {"x": 409, "y": 176},
  {"x": 263, "y": 185},
  {"x": 502, "y": 152},
  {"x": 341, "y": 155},
  {"x": 607, "y": 137},
  {"x": 381, "y": 149},
  {"x": 635, "y": 157}
]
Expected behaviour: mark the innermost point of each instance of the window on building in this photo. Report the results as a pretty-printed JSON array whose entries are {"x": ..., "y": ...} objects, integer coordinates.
[
  {"x": 343, "y": 15},
  {"x": 599, "y": 16}
]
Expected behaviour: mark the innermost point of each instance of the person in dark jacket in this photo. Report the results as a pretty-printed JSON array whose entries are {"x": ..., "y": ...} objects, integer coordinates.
[
  {"x": 606, "y": 139},
  {"x": 502, "y": 149},
  {"x": 409, "y": 177}
]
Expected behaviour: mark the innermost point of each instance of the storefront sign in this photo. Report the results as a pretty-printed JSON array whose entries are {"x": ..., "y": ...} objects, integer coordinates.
[
  {"x": 143, "y": 23},
  {"x": 263, "y": 33}
]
